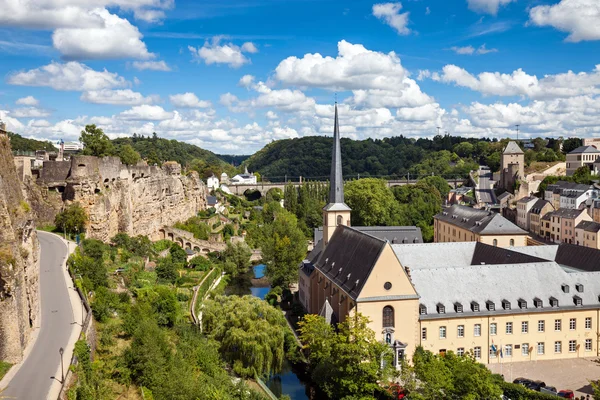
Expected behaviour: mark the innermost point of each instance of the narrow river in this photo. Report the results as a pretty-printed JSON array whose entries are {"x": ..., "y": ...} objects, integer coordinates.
[{"x": 287, "y": 382}]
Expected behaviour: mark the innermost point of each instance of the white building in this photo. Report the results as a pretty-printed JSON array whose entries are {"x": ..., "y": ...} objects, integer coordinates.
[
  {"x": 224, "y": 178},
  {"x": 244, "y": 179},
  {"x": 212, "y": 182},
  {"x": 523, "y": 207},
  {"x": 574, "y": 199},
  {"x": 73, "y": 146}
]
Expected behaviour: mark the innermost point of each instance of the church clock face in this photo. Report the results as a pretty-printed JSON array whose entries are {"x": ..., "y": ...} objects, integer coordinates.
[{"x": 387, "y": 285}]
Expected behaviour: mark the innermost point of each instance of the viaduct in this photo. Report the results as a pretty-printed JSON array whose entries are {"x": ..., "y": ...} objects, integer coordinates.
[{"x": 264, "y": 187}]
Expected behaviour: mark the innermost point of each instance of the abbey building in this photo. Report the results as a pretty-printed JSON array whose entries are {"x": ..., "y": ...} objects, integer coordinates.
[{"x": 531, "y": 303}]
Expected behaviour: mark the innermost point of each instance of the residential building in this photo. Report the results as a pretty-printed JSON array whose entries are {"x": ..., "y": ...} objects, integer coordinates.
[
  {"x": 212, "y": 182},
  {"x": 587, "y": 233},
  {"x": 537, "y": 212},
  {"x": 581, "y": 156},
  {"x": 72, "y": 146},
  {"x": 524, "y": 205},
  {"x": 559, "y": 226},
  {"x": 569, "y": 194},
  {"x": 538, "y": 302},
  {"x": 512, "y": 166},
  {"x": 459, "y": 195},
  {"x": 595, "y": 210},
  {"x": 465, "y": 224},
  {"x": 224, "y": 178},
  {"x": 244, "y": 179}
]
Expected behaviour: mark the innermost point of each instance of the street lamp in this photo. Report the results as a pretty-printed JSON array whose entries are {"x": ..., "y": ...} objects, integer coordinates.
[{"x": 62, "y": 368}]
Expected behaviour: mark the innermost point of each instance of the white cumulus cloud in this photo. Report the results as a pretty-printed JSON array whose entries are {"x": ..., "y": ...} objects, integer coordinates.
[
  {"x": 117, "y": 97},
  {"x": 151, "y": 65},
  {"x": 391, "y": 15},
  {"x": 214, "y": 52},
  {"x": 487, "y": 6},
  {"x": 579, "y": 18},
  {"x": 28, "y": 101},
  {"x": 117, "y": 38},
  {"x": 145, "y": 113},
  {"x": 188, "y": 100},
  {"x": 30, "y": 112},
  {"x": 67, "y": 76}
]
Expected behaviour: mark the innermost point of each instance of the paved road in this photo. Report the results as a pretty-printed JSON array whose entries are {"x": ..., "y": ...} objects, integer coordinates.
[
  {"x": 484, "y": 189},
  {"x": 35, "y": 376}
]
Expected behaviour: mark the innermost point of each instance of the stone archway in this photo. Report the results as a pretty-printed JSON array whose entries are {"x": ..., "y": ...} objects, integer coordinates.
[
  {"x": 179, "y": 241},
  {"x": 162, "y": 234},
  {"x": 188, "y": 245},
  {"x": 171, "y": 237},
  {"x": 196, "y": 249}
]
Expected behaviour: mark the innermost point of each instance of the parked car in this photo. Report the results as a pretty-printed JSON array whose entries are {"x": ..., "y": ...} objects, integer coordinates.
[
  {"x": 549, "y": 390},
  {"x": 535, "y": 385},
  {"x": 522, "y": 381},
  {"x": 566, "y": 394}
]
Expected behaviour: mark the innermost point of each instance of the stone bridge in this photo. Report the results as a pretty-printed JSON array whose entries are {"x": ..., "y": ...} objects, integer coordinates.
[
  {"x": 264, "y": 187},
  {"x": 187, "y": 240}
]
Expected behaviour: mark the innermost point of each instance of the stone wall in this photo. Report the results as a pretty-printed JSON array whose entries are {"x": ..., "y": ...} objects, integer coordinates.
[
  {"x": 138, "y": 200},
  {"x": 19, "y": 272}
]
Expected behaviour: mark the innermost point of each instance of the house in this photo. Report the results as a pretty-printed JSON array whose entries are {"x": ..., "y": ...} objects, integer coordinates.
[
  {"x": 213, "y": 201},
  {"x": 73, "y": 146},
  {"x": 224, "y": 178},
  {"x": 537, "y": 302},
  {"x": 244, "y": 179},
  {"x": 537, "y": 212},
  {"x": 581, "y": 156},
  {"x": 595, "y": 210},
  {"x": 524, "y": 205},
  {"x": 559, "y": 226},
  {"x": 458, "y": 195},
  {"x": 212, "y": 182},
  {"x": 568, "y": 194},
  {"x": 587, "y": 233},
  {"x": 466, "y": 224}
]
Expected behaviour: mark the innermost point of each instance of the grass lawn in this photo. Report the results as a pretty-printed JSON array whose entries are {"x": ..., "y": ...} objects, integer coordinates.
[
  {"x": 539, "y": 166},
  {"x": 4, "y": 367}
]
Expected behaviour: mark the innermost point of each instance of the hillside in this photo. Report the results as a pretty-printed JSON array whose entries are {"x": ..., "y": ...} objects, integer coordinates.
[
  {"x": 157, "y": 150},
  {"x": 449, "y": 156},
  {"x": 21, "y": 144}
]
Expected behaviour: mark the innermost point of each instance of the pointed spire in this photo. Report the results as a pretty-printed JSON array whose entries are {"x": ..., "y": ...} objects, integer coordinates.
[{"x": 336, "y": 180}]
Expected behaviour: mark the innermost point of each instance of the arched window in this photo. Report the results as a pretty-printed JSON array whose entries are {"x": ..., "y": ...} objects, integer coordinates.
[
  {"x": 388, "y": 317},
  {"x": 495, "y": 242},
  {"x": 512, "y": 242},
  {"x": 340, "y": 220},
  {"x": 388, "y": 338}
]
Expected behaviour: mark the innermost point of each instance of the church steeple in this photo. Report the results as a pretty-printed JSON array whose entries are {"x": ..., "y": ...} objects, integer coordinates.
[{"x": 336, "y": 212}]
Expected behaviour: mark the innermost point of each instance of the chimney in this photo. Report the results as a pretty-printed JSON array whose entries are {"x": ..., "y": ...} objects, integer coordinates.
[{"x": 408, "y": 273}]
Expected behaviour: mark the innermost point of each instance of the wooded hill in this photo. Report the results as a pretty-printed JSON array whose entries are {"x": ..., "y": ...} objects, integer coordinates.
[
  {"x": 20, "y": 144},
  {"x": 448, "y": 156}
]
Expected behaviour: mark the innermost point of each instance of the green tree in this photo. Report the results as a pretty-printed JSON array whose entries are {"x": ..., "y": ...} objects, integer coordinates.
[
  {"x": 238, "y": 255},
  {"x": 200, "y": 263},
  {"x": 71, "y": 219},
  {"x": 493, "y": 161},
  {"x": 178, "y": 254},
  {"x": 571, "y": 144},
  {"x": 439, "y": 183},
  {"x": 418, "y": 205},
  {"x": 251, "y": 333},
  {"x": 96, "y": 142},
  {"x": 372, "y": 202},
  {"x": 283, "y": 246},
  {"x": 582, "y": 175},
  {"x": 128, "y": 155},
  {"x": 349, "y": 362},
  {"x": 166, "y": 269}
]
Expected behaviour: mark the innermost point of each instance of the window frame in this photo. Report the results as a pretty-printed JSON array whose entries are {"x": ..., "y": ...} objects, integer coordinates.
[
  {"x": 573, "y": 343},
  {"x": 424, "y": 333},
  {"x": 557, "y": 325},
  {"x": 493, "y": 329},
  {"x": 591, "y": 344},
  {"x": 444, "y": 330},
  {"x": 558, "y": 345},
  {"x": 509, "y": 324},
  {"x": 542, "y": 322},
  {"x": 542, "y": 346},
  {"x": 388, "y": 317},
  {"x": 460, "y": 331},
  {"x": 524, "y": 326},
  {"x": 588, "y": 322},
  {"x": 525, "y": 349},
  {"x": 572, "y": 324}
]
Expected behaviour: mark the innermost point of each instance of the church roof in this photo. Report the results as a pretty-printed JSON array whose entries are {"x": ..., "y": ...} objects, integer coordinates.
[
  {"x": 393, "y": 234},
  {"x": 349, "y": 257},
  {"x": 336, "y": 180},
  {"x": 512, "y": 148},
  {"x": 479, "y": 221}
]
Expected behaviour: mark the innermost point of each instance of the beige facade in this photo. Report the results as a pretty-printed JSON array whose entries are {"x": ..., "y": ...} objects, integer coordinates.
[
  {"x": 331, "y": 219},
  {"x": 525, "y": 335},
  {"x": 447, "y": 232},
  {"x": 535, "y": 218},
  {"x": 588, "y": 234},
  {"x": 582, "y": 156},
  {"x": 559, "y": 226},
  {"x": 523, "y": 207}
]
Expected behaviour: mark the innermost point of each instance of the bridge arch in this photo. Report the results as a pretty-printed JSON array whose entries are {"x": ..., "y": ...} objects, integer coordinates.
[
  {"x": 188, "y": 245},
  {"x": 179, "y": 241},
  {"x": 196, "y": 249},
  {"x": 161, "y": 234}
]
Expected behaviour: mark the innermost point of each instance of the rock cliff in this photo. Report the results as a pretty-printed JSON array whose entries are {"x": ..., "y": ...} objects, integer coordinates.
[
  {"x": 19, "y": 272},
  {"x": 138, "y": 200}
]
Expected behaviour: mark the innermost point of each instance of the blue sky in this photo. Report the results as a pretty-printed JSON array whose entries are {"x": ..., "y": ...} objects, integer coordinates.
[{"x": 231, "y": 76}]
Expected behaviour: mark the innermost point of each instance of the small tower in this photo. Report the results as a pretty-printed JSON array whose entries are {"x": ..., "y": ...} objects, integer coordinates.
[
  {"x": 512, "y": 166},
  {"x": 336, "y": 212}
]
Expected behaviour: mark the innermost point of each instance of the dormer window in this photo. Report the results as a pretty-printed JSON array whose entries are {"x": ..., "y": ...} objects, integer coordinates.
[
  {"x": 565, "y": 288},
  {"x": 440, "y": 308},
  {"x": 579, "y": 287},
  {"x": 522, "y": 303},
  {"x": 458, "y": 307},
  {"x": 474, "y": 306},
  {"x": 422, "y": 310},
  {"x": 538, "y": 303},
  {"x": 553, "y": 302},
  {"x": 490, "y": 305},
  {"x": 506, "y": 304},
  {"x": 577, "y": 300}
]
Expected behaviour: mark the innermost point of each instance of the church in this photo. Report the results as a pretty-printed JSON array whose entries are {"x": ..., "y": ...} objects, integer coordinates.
[{"x": 531, "y": 303}]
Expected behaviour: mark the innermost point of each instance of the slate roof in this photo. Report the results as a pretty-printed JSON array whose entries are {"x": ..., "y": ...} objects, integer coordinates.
[
  {"x": 538, "y": 206},
  {"x": 349, "y": 258},
  {"x": 527, "y": 199},
  {"x": 563, "y": 185},
  {"x": 499, "y": 282},
  {"x": 546, "y": 252},
  {"x": 336, "y": 180},
  {"x": 485, "y": 254},
  {"x": 585, "y": 149},
  {"x": 393, "y": 234},
  {"x": 512, "y": 148},
  {"x": 564, "y": 213},
  {"x": 211, "y": 200},
  {"x": 578, "y": 257},
  {"x": 479, "y": 221},
  {"x": 504, "y": 195},
  {"x": 588, "y": 226}
]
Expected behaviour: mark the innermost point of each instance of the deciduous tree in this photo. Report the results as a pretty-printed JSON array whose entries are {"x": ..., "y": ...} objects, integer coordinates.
[
  {"x": 372, "y": 202},
  {"x": 96, "y": 142}
]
